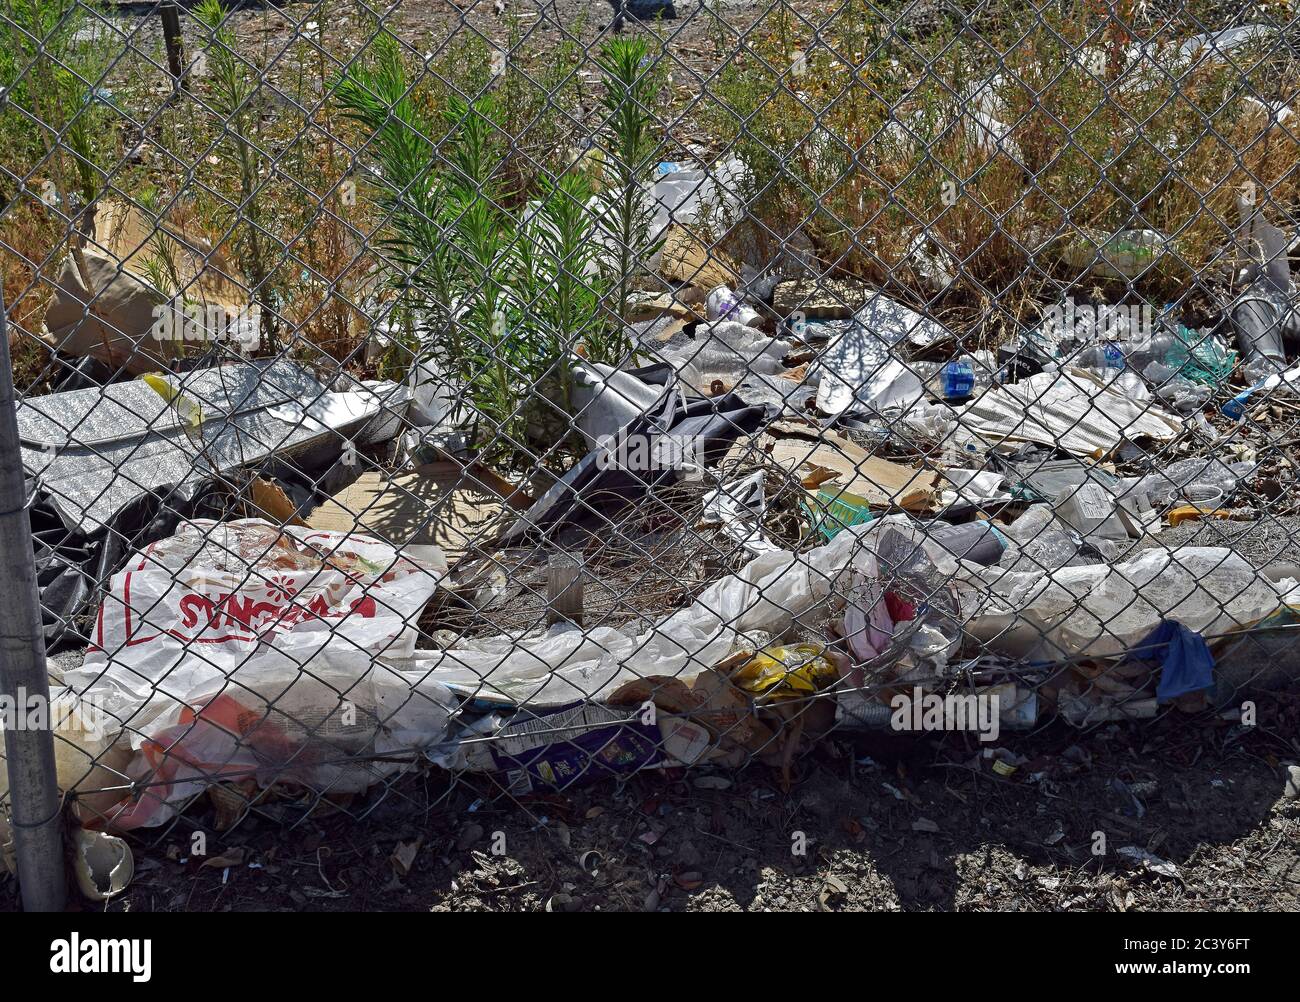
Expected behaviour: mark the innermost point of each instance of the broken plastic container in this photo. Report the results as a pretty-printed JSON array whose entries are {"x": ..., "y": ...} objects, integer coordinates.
[
  {"x": 723, "y": 304},
  {"x": 830, "y": 511},
  {"x": 1174, "y": 480},
  {"x": 1038, "y": 541},
  {"x": 1091, "y": 510},
  {"x": 103, "y": 863}
]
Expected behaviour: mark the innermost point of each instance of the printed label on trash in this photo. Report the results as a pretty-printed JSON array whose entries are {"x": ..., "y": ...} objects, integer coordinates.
[
  {"x": 573, "y": 744},
  {"x": 683, "y": 741},
  {"x": 231, "y": 589},
  {"x": 958, "y": 380},
  {"x": 1093, "y": 501}
]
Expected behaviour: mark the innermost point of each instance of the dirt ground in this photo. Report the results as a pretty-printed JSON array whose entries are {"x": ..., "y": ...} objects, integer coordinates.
[{"x": 873, "y": 822}]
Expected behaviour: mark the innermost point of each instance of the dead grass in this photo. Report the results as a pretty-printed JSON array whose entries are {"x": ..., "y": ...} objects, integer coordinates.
[
  {"x": 868, "y": 145},
  {"x": 1005, "y": 148}
]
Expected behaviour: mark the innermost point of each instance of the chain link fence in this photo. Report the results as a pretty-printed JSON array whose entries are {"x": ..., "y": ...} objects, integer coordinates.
[{"x": 531, "y": 395}]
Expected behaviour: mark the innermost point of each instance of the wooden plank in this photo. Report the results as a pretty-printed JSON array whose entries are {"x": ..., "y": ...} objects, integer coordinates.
[{"x": 564, "y": 588}]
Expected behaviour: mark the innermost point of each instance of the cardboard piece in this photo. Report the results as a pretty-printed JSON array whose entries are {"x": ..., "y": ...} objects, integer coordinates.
[
  {"x": 818, "y": 461},
  {"x": 445, "y": 507},
  {"x": 272, "y": 503},
  {"x": 645, "y": 307},
  {"x": 820, "y": 298},
  {"x": 114, "y": 320},
  {"x": 687, "y": 258}
]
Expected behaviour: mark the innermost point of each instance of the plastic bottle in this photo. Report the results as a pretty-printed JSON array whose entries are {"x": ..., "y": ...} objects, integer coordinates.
[
  {"x": 723, "y": 304},
  {"x": 1101, "y": 355},
  {"x": 1038, "y": 542},
  {"x": 1140, "y": 354},
  {"x": 959, "y": 379},
  {"x": 1133, "y": 354}
]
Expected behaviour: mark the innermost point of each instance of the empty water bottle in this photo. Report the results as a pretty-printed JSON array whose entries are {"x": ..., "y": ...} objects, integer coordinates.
[
  {"x": 959, "y": 379},
  {"x": 1101, "y": 355},
  {"x": 1133, "y": 354},
  {"x": 1140, "y": 354}
]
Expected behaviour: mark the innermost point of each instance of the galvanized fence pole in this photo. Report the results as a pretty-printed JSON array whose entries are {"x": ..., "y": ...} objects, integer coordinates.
[{"x": 29, "y": 751}]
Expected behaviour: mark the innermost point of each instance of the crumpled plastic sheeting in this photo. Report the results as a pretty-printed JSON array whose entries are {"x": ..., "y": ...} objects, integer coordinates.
[
  {"x": 240, "y": 650},
  {"x": 1102, "y": 610},
  {"x": 781, "y": 396},
  {"x": 1094, "y": 610},
  {"x": 882, "y": 387},
  {"x": 860, "y": 365},
  {"x": 1217, "y": 46},
  {"x": 328, "y": 727},
  {"x": 1073, "y": 409},
  {"x": 684, "y": 196},
  {"x": 726, "y": 349},
  {"x": 606, "y": 399},
  {"x": 766, "y": 595}
]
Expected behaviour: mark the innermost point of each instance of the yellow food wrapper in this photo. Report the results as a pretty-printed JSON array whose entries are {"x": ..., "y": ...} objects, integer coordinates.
[{"x": 786, "y": 672}]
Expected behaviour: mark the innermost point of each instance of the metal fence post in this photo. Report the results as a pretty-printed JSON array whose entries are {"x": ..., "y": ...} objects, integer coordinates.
[
  {"x": 174, "y": 42},
  {"x": 29, "y": 752}
]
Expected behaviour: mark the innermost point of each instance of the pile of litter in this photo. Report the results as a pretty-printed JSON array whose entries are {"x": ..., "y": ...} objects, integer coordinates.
[{"x": 814, "y": 501}]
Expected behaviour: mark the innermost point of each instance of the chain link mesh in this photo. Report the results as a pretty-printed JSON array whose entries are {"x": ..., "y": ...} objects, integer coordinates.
[{"x": 522, "y": 396}]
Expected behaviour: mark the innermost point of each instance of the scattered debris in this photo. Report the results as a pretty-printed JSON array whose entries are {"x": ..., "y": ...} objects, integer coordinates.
[
  {"x": 1149, "y": 861},
  {"x": 103, "y": 863},
  {"x": 115, "y": 317}
]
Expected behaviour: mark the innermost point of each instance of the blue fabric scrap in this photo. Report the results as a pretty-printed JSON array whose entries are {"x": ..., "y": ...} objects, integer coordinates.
[{"x": 1186, "y": 664}]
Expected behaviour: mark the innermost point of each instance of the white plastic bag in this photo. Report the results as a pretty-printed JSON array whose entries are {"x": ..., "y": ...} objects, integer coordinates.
[{"x": 211, "y": 602}]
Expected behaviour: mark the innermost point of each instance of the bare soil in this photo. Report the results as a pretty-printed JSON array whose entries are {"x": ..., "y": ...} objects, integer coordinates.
[{"x": 873, "y": 822}]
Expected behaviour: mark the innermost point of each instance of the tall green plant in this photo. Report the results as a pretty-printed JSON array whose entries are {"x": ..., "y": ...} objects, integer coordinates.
[
  {"x": 408, "y": 192},
  {"x": 564, "y": 292},
  {"x": 53, "y": 64},
  {"x": 633, "y": 139},
  {"x": 456, "y": 246},
  {"x": 58, "y": 121},
  {"x": 565, "y": 272}
]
